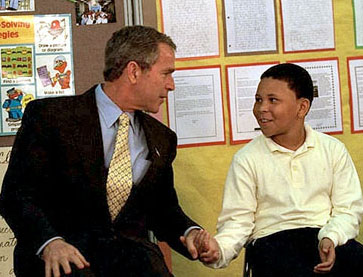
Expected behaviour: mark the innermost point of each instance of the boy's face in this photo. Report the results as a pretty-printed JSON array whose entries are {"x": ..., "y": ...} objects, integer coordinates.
[{"x": 277, "y": 110}]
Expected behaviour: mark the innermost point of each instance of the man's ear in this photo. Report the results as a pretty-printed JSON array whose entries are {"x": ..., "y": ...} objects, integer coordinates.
[
  {"x": 133, "y": 71},
  {"x": 304, "y": 107}
]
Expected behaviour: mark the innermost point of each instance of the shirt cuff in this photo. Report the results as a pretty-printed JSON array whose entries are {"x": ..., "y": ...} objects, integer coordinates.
[
  {"x": 45, "y": 244},
  {"x": 332, "y": 236},
  {"x": 191, "y": 228}
]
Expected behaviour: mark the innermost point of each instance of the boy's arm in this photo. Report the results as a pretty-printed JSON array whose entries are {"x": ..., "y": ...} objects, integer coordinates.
[
  {"x": 236, "y": 220},
  {"x": 346, "y": 200}
]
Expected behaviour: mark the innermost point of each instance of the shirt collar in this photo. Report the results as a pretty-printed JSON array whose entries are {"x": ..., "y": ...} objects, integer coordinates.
[
  {"x": 308, "y": 143},
  {"x": 108, "y": 110}
]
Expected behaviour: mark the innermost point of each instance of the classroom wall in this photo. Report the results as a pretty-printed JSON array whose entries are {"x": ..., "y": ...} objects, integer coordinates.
[{"x": 200, "y": 171}]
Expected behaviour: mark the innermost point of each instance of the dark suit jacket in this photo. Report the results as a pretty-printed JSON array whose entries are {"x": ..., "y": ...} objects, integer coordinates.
[{"x": 55, "y": 184}]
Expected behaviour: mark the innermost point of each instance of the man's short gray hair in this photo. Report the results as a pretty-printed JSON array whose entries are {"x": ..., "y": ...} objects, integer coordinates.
[{"x": 133, "y": 43}]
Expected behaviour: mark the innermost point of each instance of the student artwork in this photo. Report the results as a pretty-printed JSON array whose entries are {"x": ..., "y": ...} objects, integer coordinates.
[
  {"x": 16, "y": 5},
  {"x": 36, "y": 61},
  {"x": 90, "y": 12}
]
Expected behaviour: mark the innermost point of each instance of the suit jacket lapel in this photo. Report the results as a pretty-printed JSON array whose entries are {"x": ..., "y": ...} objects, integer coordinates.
[
  {"x": 88, "y": 139},
  {"x": 151, "y": 137}
]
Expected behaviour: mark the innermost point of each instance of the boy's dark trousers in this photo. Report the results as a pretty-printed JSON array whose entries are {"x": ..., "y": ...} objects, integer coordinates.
[{"x": 294, "y": 253}]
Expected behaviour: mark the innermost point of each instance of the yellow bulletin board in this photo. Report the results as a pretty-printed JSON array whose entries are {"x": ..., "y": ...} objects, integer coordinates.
[{"x": 200, "y": 171}]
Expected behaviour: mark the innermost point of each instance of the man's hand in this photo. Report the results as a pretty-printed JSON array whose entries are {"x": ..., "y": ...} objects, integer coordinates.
[
  {"x": 201, "y": 244},
  {"x": 327, "y": 256},
  {"x": 190, "y": 243},
  {"x": 59, "y": 253}
]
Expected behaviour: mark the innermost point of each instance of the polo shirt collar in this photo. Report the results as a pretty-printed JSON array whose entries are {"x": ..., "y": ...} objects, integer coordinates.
[{"x": 308, "y": 143}]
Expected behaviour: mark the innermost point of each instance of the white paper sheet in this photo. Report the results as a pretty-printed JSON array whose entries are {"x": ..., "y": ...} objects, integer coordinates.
[
  {"x": 195, "y": 106},
  {"x": 242, "y": 85},
  {"x": 358, "y": 17},
  {"x": 250, "y": 25},
  {"x": 307, "y": 25},
  {"x": 356, "y": 93},
  {"x": 193, "y": 26},
  {"x": 325, "y": 113}
]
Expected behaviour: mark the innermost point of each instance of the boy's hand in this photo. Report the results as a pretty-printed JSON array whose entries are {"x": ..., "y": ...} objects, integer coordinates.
[
  {"x": 327, "y": 256},
  {"x": 208, "y": 248}
]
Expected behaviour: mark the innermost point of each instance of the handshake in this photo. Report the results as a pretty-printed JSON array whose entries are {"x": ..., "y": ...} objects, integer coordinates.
[{"x": 201, "y": 245}]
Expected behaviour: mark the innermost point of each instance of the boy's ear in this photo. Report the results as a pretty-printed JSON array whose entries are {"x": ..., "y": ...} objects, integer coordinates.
[{"x": 304, "y": 107}]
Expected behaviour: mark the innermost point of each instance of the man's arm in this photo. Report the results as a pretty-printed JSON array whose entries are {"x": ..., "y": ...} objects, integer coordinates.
[
  {"x": 28, "y": 176},
  {"x": 166, "y": 218},
  {"x": 29, "y": 168},
  {"x": 236, "y": 219},
  {"x": 169, "y": 222}
]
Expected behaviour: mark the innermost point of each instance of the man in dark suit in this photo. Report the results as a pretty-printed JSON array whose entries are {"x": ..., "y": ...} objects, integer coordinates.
[{"x": 54, "y": 194}]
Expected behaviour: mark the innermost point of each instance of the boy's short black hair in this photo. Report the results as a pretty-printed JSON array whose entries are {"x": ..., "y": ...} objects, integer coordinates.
[{"x": 297, "y": 78}]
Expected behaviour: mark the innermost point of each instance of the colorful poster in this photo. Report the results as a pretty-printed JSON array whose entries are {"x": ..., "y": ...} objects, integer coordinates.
[
  {"x": 36, "y": 61},
  {"x": 16, "y": 6}
]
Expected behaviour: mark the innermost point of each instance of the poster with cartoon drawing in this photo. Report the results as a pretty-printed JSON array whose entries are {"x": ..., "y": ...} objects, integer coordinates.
[
  {"x": 17, "y": 65},
  {"x": 36, "y": 61},
  {"x": 54, "y": 75},
  {"x": 13, "y": 102},
  {"x": 52, "y": 34}
]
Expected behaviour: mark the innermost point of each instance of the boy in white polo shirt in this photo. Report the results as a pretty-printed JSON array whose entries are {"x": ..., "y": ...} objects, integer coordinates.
[{"x": 292, "y": 195}]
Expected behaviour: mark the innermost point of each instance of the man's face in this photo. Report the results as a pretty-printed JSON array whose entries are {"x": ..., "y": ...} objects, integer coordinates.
[
  {"x": 155, "y": 83},
  {"x": 276, "y": 110}
]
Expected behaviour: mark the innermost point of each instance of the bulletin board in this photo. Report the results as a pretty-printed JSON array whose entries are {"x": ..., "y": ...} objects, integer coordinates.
[{"x": 201, "y": 169}]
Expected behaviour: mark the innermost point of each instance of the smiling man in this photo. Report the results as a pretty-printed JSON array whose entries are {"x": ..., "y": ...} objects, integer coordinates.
[
  {"x": 91, "y": 175},
  {"x": 292, "y": 195}
]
